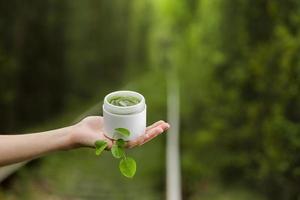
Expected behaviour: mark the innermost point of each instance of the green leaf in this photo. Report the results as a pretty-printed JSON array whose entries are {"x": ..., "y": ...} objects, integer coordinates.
[
  {"x": 128, "y": 167},
  {"x": 120, "y": 143},
  {"x": 100, "y": 145},
  {"x": 123, "y": 131},
  {"x": 117, "y": 151}
]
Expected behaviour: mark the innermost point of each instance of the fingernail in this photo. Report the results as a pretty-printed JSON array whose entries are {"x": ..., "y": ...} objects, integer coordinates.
[
  {"x": 168, "y": 126},
  {"x": 160, "y": 129}
]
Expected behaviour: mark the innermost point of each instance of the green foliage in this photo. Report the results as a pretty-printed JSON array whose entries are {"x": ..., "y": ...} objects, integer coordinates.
[
  {"x": 238, "y": 63},
  {"x": 123, "y": 131},
  {"x": 128, "y": 167},
  {"x": 100, "y": 145},
  {"x": 117, "y": 151},
  {"x": 239, "y": 70},
  {"x": 120, "y": 143}
]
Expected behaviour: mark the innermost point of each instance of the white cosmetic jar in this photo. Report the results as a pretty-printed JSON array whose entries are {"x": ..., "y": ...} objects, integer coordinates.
[{"x": 132, "y": 117}]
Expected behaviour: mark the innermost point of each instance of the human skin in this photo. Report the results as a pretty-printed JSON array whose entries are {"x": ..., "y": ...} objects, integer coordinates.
[{"x": 17, "y": 148}]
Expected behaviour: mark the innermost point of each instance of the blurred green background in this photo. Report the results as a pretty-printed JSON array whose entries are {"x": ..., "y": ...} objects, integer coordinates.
[{"x": 238, "y": 63}]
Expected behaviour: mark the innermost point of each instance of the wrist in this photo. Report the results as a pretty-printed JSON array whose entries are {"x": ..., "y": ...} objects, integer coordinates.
[
  {"x": 74, "y": 137},
  {"x": 67, "y": 138}
]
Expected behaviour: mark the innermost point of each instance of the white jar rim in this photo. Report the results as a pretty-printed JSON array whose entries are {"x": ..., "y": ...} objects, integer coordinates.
[{"x": 121, "y": 110}]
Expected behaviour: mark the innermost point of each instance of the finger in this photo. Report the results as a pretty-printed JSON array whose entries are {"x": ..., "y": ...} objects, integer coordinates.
[
  {"x": 164, "y": 126},
  {"x": 133, "y": 143},
  {"x": 146, "y": 137},
  {"x": 160, "y": 127},
  {"x": 154, "y": 133},
  {"x": 155, "y": 124}
]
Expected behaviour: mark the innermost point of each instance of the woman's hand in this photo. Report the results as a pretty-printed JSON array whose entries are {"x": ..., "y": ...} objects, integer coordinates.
[
  {"x": 84, "y": 133},
  {"x": 90, "y": 129}
]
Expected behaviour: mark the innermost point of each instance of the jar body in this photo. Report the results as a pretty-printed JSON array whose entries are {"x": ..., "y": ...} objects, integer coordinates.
[{"x": 132, "y": 118}]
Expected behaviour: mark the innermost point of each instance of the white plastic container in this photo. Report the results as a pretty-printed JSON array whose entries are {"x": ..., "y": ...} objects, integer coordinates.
[{"x": 132, "y": 117}]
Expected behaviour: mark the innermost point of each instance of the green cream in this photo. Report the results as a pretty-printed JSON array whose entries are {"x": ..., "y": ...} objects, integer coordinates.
[{"x": 124, "y": 101}]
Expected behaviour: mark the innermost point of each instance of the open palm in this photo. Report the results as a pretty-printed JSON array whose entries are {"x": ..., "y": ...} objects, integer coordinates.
[{"x": 90, "y": 129}]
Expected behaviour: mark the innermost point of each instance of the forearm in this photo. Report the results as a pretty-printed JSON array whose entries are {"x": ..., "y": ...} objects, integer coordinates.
[{"x": 17, "y": 148}]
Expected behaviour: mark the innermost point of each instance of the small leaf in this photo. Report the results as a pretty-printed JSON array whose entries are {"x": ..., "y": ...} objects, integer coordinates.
[
  {"x": 100, "y": 145},
  {"x": 123, "y": 131},
  {"x": 128, "y": 167},
  {"x": 120, "y": 143},
  {"x": 117, "y": 151}
]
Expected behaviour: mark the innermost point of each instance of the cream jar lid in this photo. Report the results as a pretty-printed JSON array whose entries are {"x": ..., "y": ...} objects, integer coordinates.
[{"x": 124, "y": 110}]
